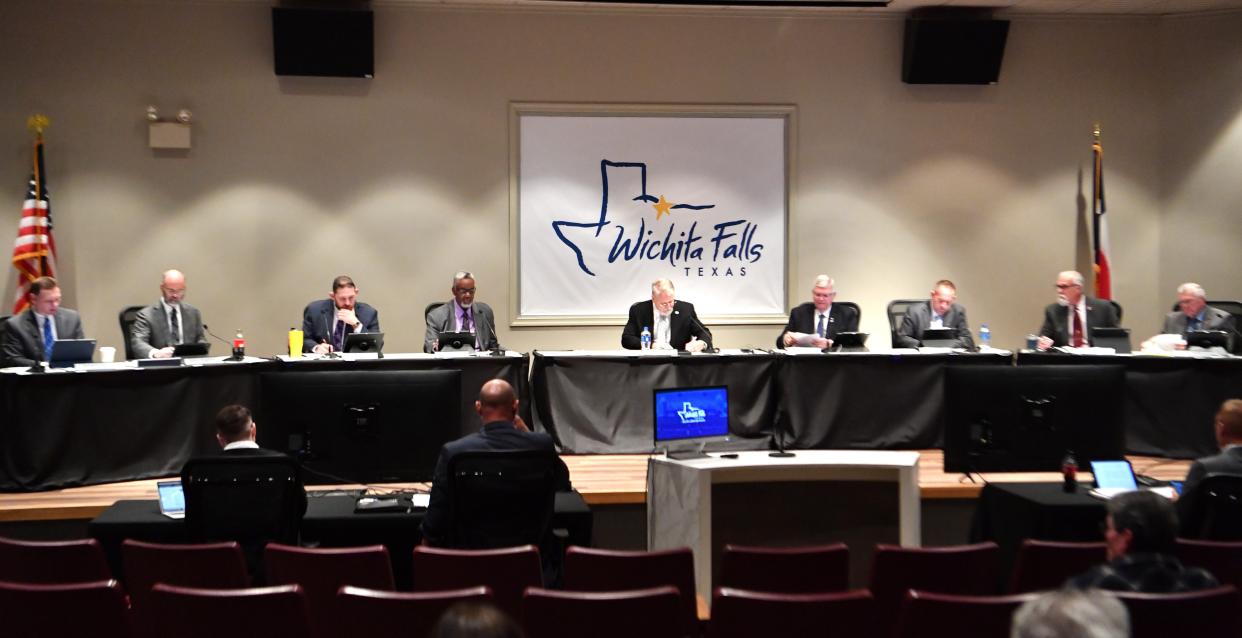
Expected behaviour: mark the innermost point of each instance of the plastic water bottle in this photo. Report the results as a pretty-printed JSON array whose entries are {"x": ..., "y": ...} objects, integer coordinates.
[
  {"x": 985, "y": 337},
  {"x": 645, "y": 338},
  {"x": 1069, "y": 472}
]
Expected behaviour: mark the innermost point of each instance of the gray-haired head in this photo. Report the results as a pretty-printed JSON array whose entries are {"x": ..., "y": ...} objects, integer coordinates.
[
  {"x": 824, "y": 281},
  {"x": 462, "y": 274},
  {"x": 1191, "y": 288},
  {"x": 1072, "y": 274},
  {"x": 1072, "y": 613},
  {"x": 662, "y": 285}
]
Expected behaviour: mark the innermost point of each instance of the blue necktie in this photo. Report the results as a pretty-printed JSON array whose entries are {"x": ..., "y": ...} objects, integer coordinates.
[
  {"x": 48, "y": 339},
  {"x": 819, "y": 329}
]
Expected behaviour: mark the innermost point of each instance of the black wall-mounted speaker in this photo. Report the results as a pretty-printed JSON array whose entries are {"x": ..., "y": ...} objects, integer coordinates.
[
  {"x": 324, "y": 42},
  {"x": 946, "y": 50}
]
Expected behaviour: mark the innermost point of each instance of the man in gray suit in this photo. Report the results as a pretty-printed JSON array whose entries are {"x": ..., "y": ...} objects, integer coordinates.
[
  {"x": 941, "y": 311},
  {"x": 1195, "y": 314},
  {"x": 28, "y": 336},
  {"x": 166, "y": 323},
  {"x": 462, "y": 314}
]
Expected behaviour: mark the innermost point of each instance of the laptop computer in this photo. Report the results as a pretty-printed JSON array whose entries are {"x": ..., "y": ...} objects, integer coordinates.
[
  {"x": 191, "y": 349},
  {"x": 67, "y": 352},
  {"x": 940, "y": 338},
  {"x": 172, "y": 499},
  {"x": 1116, "y": 338}
]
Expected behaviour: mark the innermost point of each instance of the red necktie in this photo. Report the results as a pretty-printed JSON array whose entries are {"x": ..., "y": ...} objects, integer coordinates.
[{"x": 1078, "y": 340}]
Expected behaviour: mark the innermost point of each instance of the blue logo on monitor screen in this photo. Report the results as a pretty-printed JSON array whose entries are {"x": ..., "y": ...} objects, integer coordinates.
[{"x": 691, "y": 413}]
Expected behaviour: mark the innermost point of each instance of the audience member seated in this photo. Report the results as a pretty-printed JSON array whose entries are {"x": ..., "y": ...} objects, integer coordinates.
[
  {"x": 1141, "y": 537},
  {"x": 1072, "y": 614},
  {"x": 1228, "y": 429},
  {"x": 503, "y": 429},
  {"x": 475, "y": 620}
]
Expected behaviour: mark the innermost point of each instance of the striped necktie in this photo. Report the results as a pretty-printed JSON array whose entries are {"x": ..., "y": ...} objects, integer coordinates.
[{"x": 48, "y": 339}]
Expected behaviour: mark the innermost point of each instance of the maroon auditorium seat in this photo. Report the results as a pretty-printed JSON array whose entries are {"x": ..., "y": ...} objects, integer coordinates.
[
  {"x": 1222, "y": 558},
  {"x": 960, "y": 569},
  {"x": 211, "y": 565},
  {"x": 389, "y": 614},
  {"x": 95, "y": 609},
  {"x": 597, "y": 570},
  {"x": 322, "y": 572},
  {"x": 929, "y": 615},
  {"x": 506, "y": 571},
  {"x": 75, "y": 561},
  {"x": 649, "y": 613},
  {"x": 738, "y": 613},
  {"x": 259, "y": 612},
  {"x": 1045, "y": 565},
  {"x": 789, "y": 570},
  {"x": 1207, "y": 613}
]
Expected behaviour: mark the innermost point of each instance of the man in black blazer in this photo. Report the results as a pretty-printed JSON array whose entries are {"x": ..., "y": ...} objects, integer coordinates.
[
  {"x": 1228, "y": 429},
  {"x": 503, "y": 429},
  {"x": 817, "y": 322},
  {"x": 326, "y": 322},
  {"x": 941, "y": 311},
  {"x": 673, "y": 324},
  {"x": 1061, "y": 327},
  {"x": 235, "y": 432},
  {"x": 166, "y": 323},
  {"x": 28, "y": 335}
]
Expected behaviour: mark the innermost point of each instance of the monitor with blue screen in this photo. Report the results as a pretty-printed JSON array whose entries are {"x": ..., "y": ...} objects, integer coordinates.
[{"x": 691, "y": 415}]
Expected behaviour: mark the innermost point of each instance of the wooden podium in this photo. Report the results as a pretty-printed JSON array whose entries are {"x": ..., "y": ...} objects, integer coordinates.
[{"x": 815, "y": 497}]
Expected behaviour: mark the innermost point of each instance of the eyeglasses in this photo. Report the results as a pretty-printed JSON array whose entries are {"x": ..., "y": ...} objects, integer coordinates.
[
  {"x": 465, "y": 291},
  {"x": 1064, "y": 286}
]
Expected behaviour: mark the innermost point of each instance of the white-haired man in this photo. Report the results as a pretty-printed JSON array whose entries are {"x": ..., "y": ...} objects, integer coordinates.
[
  {"x": 1194, "y": 314},
  {"x": 673, "y": 324},
  {"x": 816, "y": 322},
  {"x": 462, "y": 314},
  {"x": 1069, "y": 321}
]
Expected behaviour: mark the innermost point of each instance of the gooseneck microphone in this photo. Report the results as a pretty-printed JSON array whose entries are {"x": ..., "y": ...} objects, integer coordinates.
[
  {"x": 694, "y": 318},
  {"x": 497, "y": 351}
]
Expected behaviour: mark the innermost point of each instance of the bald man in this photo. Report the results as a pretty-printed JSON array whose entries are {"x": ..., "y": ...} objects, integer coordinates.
[
  {"x": 166, "y": 323},
  {"x": 503, "y": 429}
]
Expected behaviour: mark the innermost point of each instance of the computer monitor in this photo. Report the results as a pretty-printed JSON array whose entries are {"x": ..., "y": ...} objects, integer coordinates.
[
  {"x": 1026, "y": 418},
  {"x": 1116, "y": 338},
  {"x": 370, "y": 426},
  {"x": 689, "y": 418}
]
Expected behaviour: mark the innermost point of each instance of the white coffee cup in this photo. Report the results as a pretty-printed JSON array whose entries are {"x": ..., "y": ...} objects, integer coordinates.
[{"x": 107, "y": 354}]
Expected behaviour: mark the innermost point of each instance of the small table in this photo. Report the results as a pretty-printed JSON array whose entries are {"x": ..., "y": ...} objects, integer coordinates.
[{"x": 1009, "y": 513}]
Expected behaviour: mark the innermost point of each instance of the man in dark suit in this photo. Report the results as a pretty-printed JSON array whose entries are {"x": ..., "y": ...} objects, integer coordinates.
[
  {"x": 818, "y": 321},
  {"x": 1229, "y": 436},
  {"x": 1195, "y": 314},
  {"x": 235, "y": 432},
  {"x": 326, "y": 322},
  {"x": 673, "y": 324},
  {"x": 462, "y": 314},
  {"x": 941, "y": 311},
  {"x": 503, "y": 429},
  {"x": 166, "y": 323},
  {"x": 29, "y": 335},
  {"x": 1069, "y": 321}
]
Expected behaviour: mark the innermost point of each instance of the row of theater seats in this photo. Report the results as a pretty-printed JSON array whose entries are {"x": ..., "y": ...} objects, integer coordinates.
[{"x": 202, "y": 590}]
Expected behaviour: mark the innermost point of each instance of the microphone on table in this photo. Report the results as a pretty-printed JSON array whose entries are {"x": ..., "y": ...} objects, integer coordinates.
[
  {"x": 694, "y": 318},
  {"x": 497, "y": 351}
]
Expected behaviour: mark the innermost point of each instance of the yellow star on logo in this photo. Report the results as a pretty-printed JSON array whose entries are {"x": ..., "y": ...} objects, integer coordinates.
[{"x": 662, "y": 207}]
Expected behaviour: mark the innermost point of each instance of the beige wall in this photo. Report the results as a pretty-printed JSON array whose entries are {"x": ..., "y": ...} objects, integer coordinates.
[{"x": 403, "y": 179}]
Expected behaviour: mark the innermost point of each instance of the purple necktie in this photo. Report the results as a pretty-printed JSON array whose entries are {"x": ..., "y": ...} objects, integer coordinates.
[
  {"x": 338, "y": 336},
  {"x": 466, "y": 324}
]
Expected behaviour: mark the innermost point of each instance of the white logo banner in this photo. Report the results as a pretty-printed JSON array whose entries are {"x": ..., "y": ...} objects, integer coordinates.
[{"x": 608, "y": 204}]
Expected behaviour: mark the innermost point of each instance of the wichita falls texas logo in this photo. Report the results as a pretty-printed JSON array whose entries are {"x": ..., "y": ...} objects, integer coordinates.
[{"x": 723, "y": 250}]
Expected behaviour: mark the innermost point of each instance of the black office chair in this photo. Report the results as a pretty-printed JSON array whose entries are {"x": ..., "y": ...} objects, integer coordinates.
[
  {"x": 850, "y": 304},
  {"x": 1117, "y": 307},
  {"x": 432, "y": 306},
  {"x": 1215, "y": 513},
  {"x": 897, "y": 309},
  {"x": 502, "y": 498},
  {"x": 249, "y": 499},
  {"x": 127, "y": 318}
]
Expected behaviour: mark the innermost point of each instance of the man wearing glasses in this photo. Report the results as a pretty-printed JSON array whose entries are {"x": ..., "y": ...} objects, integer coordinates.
[
  {"x": 166, "y": 323},
  {"x": 816, "y": 322},
  {"x": 462, "y": 314},
  {"x": 1069, "y": 321}
]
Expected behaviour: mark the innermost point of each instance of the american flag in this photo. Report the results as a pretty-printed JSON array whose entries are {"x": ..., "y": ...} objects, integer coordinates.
[{"x": 34, "y": 251}]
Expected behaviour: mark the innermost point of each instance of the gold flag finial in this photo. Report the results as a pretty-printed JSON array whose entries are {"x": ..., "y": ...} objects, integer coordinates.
[
  {"x": 1096, "y": 133},
  {"x": 38, "y": 123}
]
